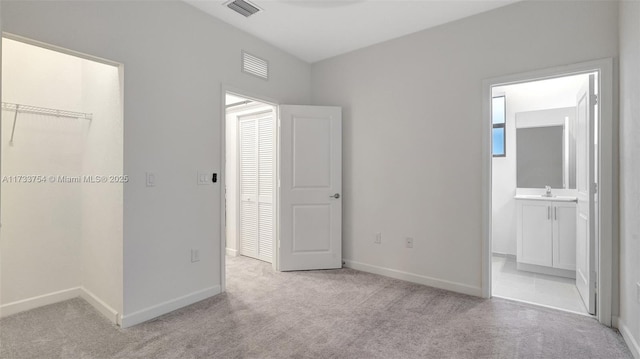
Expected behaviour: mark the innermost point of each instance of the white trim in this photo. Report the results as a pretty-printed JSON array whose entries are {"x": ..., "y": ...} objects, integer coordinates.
[
  {"x": 168, "y": 306},
  {"x": 100, "y": 305},
  {"x": 628, "y": 338},
  {"x": 415, "y": 278},
  {"x": 39, "y": 301},
  {"x": 232, "y": 252},
  {"x": 62, "y": 50},
  {"x": 607, "y": 177}
]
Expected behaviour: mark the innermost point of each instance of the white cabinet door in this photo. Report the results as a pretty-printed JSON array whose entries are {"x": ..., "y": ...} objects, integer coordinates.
[
  {"x": 535, "y": 242},
  {"x": 564, "y": 235}
]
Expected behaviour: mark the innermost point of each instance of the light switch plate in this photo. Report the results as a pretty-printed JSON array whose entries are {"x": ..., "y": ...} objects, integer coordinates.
[
  {"x": 151, "y": 179},
  {"x": 204, "y": 178}
]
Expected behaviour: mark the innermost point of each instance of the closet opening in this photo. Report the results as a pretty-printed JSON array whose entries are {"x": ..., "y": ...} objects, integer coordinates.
[
  {"x": 250, "y": 181},
  {"x": 61, "y": 179}
]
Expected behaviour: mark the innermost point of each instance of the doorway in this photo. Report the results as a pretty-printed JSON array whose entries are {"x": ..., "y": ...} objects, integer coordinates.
[
  {"x": 549, "y": 154},
  {"x": 282, "y": 183},
  {"x": 62, "y": 179},
  {"x": 250, "y": 178},
  {"x": 534, "y": 192}
]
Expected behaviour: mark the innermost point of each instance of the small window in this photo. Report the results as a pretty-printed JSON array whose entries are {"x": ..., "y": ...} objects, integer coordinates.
[{"x": 499, "y": 135}]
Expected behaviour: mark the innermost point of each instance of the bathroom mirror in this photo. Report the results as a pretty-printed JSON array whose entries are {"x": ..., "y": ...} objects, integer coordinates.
[
  {"x": 539, "y": 157},
  {"x": 545, "y": 152}
]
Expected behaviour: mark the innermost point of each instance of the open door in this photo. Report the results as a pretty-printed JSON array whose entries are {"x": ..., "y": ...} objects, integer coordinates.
[
  {"x": 586, "y": 186},
  {"x": 310, "y": 230}
]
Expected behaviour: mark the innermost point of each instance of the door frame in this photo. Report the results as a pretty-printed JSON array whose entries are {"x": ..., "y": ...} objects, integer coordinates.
[
  {"x": 224, "y": 89},
  {"x": 607, "y": 157}
]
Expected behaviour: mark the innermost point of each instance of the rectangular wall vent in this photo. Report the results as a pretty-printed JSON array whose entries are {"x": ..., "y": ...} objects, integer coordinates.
[
  {"x": 242, "y": 7},
  {"x": 255, "y": 66}
]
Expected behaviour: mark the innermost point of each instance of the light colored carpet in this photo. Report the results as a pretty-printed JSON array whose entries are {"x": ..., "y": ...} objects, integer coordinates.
[{"x": 315, "y": 314}]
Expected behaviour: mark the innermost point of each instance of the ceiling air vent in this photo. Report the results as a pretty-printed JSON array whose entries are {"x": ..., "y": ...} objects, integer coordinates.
[
  {"x": 242, "y": 7},
  {"x": 255, "y": 66}
]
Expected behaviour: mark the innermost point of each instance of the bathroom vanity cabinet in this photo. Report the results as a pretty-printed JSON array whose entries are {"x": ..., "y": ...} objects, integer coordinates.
[{"x": 546, "y": 235}]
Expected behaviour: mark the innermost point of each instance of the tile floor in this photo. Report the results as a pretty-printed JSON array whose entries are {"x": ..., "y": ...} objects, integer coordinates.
[{"x": 558, "y": 292}]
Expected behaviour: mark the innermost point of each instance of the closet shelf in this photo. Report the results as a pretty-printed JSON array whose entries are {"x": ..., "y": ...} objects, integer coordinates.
[
  {"x": 46, "y": 111},
  {"x": 17, "y": 108}
]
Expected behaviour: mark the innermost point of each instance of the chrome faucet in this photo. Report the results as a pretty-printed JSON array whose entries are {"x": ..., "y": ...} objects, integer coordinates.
[{"x": 548, "y": 189}]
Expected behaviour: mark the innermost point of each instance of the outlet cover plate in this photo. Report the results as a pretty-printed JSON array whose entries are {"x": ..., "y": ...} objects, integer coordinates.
[{"x": 195, "y": 255}]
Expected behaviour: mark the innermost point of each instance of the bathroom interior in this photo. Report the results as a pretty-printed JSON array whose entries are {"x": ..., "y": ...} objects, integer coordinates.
[{"x": 540, "y": 160}]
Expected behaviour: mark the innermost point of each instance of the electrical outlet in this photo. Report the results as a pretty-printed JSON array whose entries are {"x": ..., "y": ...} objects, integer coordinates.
[
  {"x": 195, "y": 255},
  {"x": 151, "y": 179},
  {"x": 408, "y": 242},
  {"x": 378, "y": 239}
]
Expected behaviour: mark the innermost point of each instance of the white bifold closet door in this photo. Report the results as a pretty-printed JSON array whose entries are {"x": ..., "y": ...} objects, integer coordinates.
[{"x": 256, "y": 140}]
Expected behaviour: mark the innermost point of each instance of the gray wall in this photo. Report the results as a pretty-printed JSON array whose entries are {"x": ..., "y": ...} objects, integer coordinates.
[
  {"x": 175, "y": 59},
  {"x": 630, "y": 171},
  {"x": 413, "y": 122}
]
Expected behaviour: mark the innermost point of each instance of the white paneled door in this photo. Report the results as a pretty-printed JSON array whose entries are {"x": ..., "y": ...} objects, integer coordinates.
[
  {"x": 311, "y": 188},
  {"x": 586, "y": 185},
  {"x": 256, "y": 141}
]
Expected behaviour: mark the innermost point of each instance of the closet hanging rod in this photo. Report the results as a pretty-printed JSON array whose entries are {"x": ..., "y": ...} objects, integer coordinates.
[{"x": 46, "y": 111}]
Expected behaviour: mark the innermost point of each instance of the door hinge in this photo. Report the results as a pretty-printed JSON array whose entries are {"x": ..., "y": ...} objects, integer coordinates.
[
  {"x": 594, "y": 188},
  {"x": 594, "y": 99},
  {"x": 278, "y": 244}
]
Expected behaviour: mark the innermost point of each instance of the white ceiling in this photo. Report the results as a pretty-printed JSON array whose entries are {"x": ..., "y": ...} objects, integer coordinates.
[{"x": 315, "y": 30}]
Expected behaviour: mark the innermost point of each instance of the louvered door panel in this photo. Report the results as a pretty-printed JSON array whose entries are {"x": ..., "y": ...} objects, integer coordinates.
[
  {"x": 257, "y": 153},
  {"x": 248, "y": 160},
  {"x": 265, "y": 185},
  {"x": 265, "y": 155},
  {"x": 265, "y": 242},
  {"x": 248, "y": 166},
  {"x": 249, "y": 231}
]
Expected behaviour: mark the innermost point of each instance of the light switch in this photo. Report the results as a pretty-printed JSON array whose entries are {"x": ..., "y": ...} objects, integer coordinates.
[
  {"x": 151, "y": 179},
  {"x": 204, "y": 178}
]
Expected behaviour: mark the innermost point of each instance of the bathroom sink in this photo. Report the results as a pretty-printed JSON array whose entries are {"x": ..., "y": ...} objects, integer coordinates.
[{"x": 541, "y": 197}]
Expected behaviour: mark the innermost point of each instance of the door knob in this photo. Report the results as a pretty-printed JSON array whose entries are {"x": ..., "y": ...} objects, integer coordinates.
[{"x": 336, "y": 196}]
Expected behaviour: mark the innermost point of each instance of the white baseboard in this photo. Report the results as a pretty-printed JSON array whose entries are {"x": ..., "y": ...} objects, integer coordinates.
[
  {"x": 60, "y": 296},
  {"x": 157, "y": 310},
  {"x": 39, "y": 301},
  {"x": 232, "y": 252},
  {"x": 628, "y": 338},
  {"x": 100, "y": 306},
  {"x": 415, "y": 278}
]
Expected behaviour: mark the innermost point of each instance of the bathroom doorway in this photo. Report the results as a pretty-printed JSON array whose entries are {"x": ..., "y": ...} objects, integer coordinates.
[
  {"x": 535, "y": 196},
  {"x": 549, "y": 188}
]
